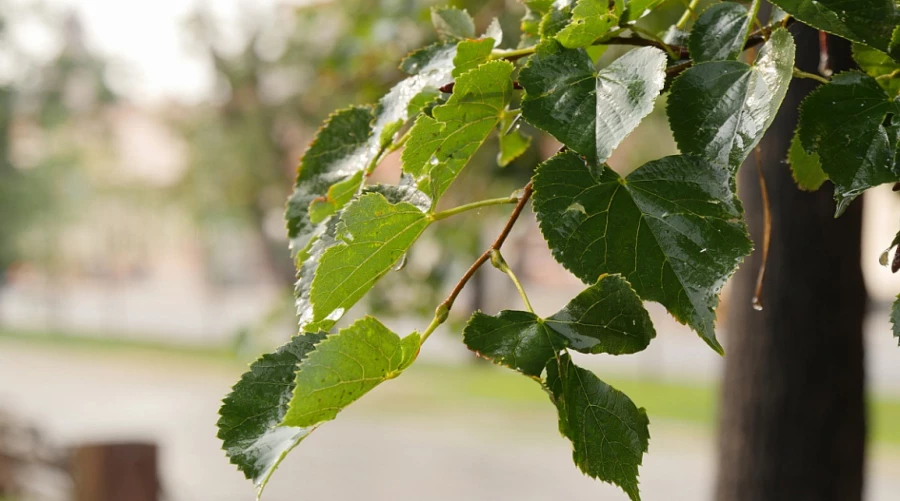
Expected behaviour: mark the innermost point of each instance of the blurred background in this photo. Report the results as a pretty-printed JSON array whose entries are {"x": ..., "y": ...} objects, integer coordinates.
[{"x": 146, "y": 151}]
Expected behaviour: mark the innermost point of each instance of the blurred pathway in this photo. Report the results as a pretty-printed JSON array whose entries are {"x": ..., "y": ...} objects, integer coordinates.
[{"x": 381, "y": 449}]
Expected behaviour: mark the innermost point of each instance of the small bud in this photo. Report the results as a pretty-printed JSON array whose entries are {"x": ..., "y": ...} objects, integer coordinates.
[{"x": 442, "y": 312}]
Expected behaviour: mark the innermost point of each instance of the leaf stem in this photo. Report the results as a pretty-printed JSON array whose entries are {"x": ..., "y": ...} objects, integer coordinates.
[
  {"x": 437, "y": 216},
  {"x": 689, "y": 12},
  {"x": 443, "y": 310},
  {"x": 513, "y": 54},
  {"x": 888, "y": 76},
  {"x": 498, "y": 262},
  {"x": 812, "y": 76}
]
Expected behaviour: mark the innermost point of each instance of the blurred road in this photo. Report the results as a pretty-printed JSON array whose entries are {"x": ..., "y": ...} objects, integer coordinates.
[{"x": 384, "y": 448}]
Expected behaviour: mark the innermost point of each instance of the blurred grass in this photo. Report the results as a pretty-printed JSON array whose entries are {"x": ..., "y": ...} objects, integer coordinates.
[{"x": 458, "y": 388}]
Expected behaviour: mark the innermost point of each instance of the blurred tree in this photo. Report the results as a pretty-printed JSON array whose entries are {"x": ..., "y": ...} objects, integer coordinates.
[{"x": 291, "y": 68}]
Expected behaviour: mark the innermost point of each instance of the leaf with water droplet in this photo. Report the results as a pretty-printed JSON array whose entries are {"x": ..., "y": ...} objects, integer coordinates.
[
  {"x": 854, "y": 145},
  {"x": 651, "y": 227},
  {"x": 372, "y": 236},
  {"x": 590, "y": 111},
  {"x": 439, "y": 147},
  {"x": 720, "y": 110}
]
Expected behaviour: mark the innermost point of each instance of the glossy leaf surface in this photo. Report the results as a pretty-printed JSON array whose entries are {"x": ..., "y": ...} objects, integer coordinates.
[
  {"x": 870, "y": 22},
  {"x": 719, "y": 33},
  {"x": 590, "y": 111},
  {"x": 673, "y": 228},
  {"x": 720, "y": 110}
]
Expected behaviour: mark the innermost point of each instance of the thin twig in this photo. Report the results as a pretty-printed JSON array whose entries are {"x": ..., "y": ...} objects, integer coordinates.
[{"x": 767, "y": 232}]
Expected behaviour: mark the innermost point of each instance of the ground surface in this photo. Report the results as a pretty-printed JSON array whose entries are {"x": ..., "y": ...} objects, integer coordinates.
[{"x": 435, "y": 434}]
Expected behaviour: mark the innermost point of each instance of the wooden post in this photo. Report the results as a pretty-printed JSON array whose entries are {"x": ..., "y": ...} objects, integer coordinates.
[{"x": 115, "y": 472}]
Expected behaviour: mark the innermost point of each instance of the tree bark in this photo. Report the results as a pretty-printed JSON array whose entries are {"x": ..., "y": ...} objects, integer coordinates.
[{"x": 793, "y": 421}]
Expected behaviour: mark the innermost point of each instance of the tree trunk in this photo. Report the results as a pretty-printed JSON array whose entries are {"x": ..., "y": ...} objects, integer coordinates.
[{"x": 793, "y": 414}]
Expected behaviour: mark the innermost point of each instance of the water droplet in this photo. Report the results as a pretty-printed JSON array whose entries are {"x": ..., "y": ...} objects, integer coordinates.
[
  {"x": 702, "y": 251},
  {"x": 576, "y": 207},
  {"x": 757, "y": 304},
  {"x": 434, "y": 160},
  {"x": 401, "y": 264}
]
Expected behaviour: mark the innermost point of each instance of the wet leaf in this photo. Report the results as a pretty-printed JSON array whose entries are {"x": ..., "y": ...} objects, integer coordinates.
[
  {"x": 719, "y": 33},
  {"x": 720, "y": 110},
  {"x": 673, "y": 228},
  {"x": 870, "y": 22}
]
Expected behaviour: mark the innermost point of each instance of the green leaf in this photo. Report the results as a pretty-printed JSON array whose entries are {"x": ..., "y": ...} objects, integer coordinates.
[
  {"x": 844, "y": 123},
  {"x": 720, "y": 110},
  {"x": 591, "y": 19},
  {"x": 555, "y": 19},
  {"x": 513, "y": 143},
  {"x": 348, "y": 144},
  {"x": 373, "y": 234},
  {"x": 609, "y": 433},
  {"x": 452, "y": 23},
  {"x": 590, "y": 112},
  {"x": 636, "y": 9},
  {"x": 344, "y": 367},
  {"x": 805, "y": 167},
  {"x": 895, "y": 318},
  {"x": 673, "y": 228},
  {"x": 471, "y": 54},
  {"x": 607, "y": 317},
  {"x": 251, "y": 413},
  {"x": 878, "y": 64},
  {"x": 531, "y": 21},
  {"x": 438, "y": 148},
  {"x": 719, "y": 33},
  {"x": 870, "y": 22}
]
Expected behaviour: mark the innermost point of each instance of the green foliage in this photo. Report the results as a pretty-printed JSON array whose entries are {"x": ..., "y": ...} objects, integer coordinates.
[
  {"x": 719, "y": 110},
  {"x": 895, "y": 317},
  {"x": 844, "y": 123},
  {"x": 672, "y": 231},
  {"x": 590, "y": 111}
]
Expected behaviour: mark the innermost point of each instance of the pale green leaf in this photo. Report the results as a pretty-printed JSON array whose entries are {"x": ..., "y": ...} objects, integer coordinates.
[
  {"x": 673, "y": 228},
  {"x": 844, "y": 123},
  {"x": 805, "y": 167},
  {"x": 372, "y": 235},
  {"x": 452, "y": 23},
  {"x": 470, "y": 54},
  {"x": 636, "y": 9},
  {"x": 609, "y": 433},
  {"x": 719, "y": 33},
  {"x": 590, "y": 111},
  {"x": 513, "y": 142},
  {"x": 879, "y": 66},
  {"x": 591, "y": 19},
  {"x": 344, "y": 367},
  {"x": 439, "y": 147},
  {"x": 720, "y": 110},
  {"x": 250, "y": 415}
]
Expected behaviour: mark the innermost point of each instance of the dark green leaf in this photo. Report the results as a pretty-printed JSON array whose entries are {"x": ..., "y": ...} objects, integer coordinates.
[
  {"x": 607, "y": 317},
  {"x": 805, "y": 167},
  {"x": 719, "y": 33},
  {"x": 879, "y": 66},
  {"x": 843, "y": 123},
  {"x": 720, "y": 110},
  {"x": 673, "y": 228},
  {"x": 373, "y": 234},
  {"x": 452, "y": 23},
  {"x": 895, "y": 318},
  {"x": 591, "y": 19},
  {"x": 344, "y": 367},
  {"x": 590, "y": 112},
  {"x": 439, "y": 147},
  {"x": 609, "y": 433},
  {"x": 250, "y": 415},
  {"x": 870, "y": 22}
]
